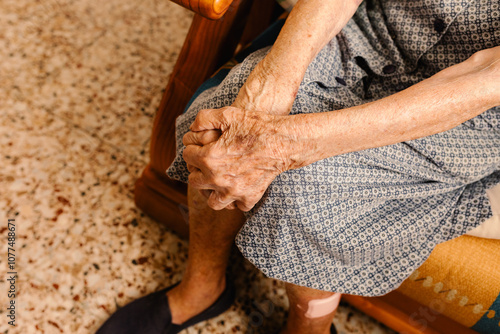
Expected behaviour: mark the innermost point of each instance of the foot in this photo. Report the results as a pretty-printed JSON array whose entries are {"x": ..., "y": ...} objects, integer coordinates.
[
  {"x": 151, "y": 314},
  {"x": 191, "y": 297}
]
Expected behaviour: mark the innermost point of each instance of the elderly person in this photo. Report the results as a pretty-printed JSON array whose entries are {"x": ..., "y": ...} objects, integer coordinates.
[{"x": 338, "y": 158}]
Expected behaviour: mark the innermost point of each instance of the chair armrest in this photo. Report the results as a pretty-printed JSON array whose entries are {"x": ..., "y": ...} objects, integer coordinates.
[{"x": 211, "y": 9}]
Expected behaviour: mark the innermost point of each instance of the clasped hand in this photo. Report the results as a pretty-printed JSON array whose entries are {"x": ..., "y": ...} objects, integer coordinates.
[{"x": 236, "y": 154}]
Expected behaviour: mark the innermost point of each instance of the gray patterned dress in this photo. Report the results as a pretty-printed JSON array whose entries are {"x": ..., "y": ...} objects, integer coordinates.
[{"x": 362, "y": 222}]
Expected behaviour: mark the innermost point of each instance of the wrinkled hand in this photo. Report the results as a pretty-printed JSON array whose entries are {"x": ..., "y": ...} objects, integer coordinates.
[
  {"x": 260, "y": 92},
  {"x": 236, "y": 153}
]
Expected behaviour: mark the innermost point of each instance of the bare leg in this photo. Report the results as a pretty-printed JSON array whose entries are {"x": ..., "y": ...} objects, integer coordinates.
[
  {"x": 300, "y": 323},
  {"x": 211, "y": 236}
]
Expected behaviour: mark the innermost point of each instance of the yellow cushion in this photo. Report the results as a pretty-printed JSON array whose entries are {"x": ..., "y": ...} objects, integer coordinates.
[{"x": 460, "y": 279}]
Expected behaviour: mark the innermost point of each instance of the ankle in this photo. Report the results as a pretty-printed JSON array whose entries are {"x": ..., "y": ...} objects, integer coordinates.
[
  {"x": 190, "y": 298},
  {"x": 213, "y": 280},
  {"x": 201, "y": 290},
  {"x": 198, "y": 289}
]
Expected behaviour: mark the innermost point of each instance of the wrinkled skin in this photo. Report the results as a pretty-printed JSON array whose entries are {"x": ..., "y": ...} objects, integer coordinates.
[
  {"x": 249, "y": 144},
  {"x": 240, "y": 164}
]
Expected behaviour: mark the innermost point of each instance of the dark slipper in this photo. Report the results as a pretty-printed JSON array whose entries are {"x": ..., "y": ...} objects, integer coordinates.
[{"x": 151, "y": 314}]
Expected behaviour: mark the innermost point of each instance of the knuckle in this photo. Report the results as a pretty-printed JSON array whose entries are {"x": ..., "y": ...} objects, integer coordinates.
[
  {"x": 212, "y": 204},
  {"x": 211, "y": 201},
  {"x": 214, "y": 135},
  {"x": 238, "y": 192},
  {"x": 250, "y": 203},
  {"x": 252, "y": 200},
  {"x": 202, "y": 113},
  {"x": 226, "y": 113},
  {"x": 205, "y": 193},
  {"x": 215, "y": 201},
  {"x": 225, "y": 198},
  {"x": 204, "y": 136},
  {"x": 185, "y": 155},
  {"x": 192, "y": 180},
  {"x": 207, "y": 137},
  {"x": 244, "y": 207},
  {"x": 204, "y": 160},
  {"x": 186, "y": 138},
  {"x": 220, "y": 181}
]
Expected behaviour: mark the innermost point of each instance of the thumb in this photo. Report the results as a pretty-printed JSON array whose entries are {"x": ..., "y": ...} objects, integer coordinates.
[
  {"x": 240, "y": 102},
  {"x": 208, "y": 119}
]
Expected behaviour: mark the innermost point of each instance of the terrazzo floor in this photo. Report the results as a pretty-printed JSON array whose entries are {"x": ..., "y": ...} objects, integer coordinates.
[{"x": 80, "y": 83}]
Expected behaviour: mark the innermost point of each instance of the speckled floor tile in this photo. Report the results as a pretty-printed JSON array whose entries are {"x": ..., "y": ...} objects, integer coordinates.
[
  {"x": 101, "y": 65},
  {"x": 81, "y": 81}
]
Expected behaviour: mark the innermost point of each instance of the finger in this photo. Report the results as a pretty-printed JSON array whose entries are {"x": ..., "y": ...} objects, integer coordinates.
[
  {"x": 200, "y": 138},
  {"x": 208, "y": 119},
  {"x": 217, "y": 201},
  {"x": 197, "y": 180},
  {"x": 192, "y": 155},
  {"x": 245, "y": 207},
  {"x": 231, "y": 206},
  {"x": 192, "y": 168},
  {"x": 206, "y": 192}
]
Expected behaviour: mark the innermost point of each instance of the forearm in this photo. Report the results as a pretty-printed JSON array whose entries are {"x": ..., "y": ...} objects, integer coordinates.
[
  {"x": 273, "y": 84},
  {"x": 434, "y": 105},
  {"x": 309, "y": 27},
  {"x": 249, "y": 148}
]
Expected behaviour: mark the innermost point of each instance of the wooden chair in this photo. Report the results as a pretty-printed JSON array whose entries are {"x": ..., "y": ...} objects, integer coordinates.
[
  {"x": 218, "y": 29},
  {"x": 208, "y": 45}
]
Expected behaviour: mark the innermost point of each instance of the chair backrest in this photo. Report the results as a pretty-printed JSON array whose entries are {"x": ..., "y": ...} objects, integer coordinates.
[{"x": 211, "y": 9}]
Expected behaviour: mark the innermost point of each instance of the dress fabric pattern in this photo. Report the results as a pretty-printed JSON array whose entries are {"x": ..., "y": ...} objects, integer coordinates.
[{"x": 362, "y": 222}]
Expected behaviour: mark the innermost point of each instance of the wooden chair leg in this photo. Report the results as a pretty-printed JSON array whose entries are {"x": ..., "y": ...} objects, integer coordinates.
[{"x": 405, "y": 315}]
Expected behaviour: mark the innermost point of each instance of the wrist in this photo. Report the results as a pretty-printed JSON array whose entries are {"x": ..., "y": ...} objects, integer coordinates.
[
  {"x": 266, "y": 91},
  {"x": 486, "y": 75},
  {"x": 284, "y": 71},
  {"x": 305, "y": 136},
  {"x": 476, "y": 78}
]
